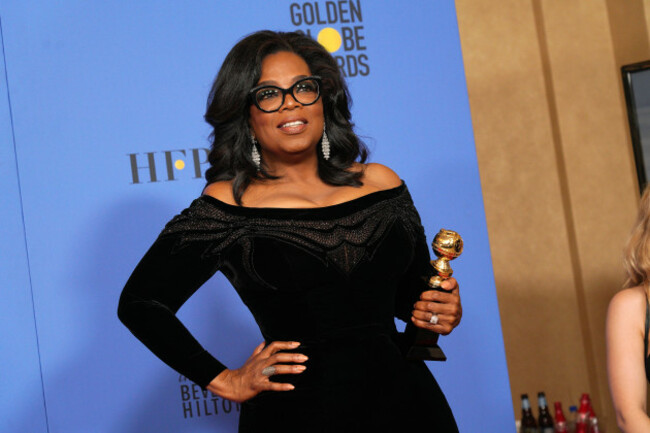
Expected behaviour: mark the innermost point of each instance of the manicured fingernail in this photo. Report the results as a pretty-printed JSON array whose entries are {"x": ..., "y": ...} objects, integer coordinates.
[
  {"x": 295, "y": 344},
  {"x": 303, "y": 357},
  {"x": 300, "y": 367},
  {"x": 292, "y": 388}
]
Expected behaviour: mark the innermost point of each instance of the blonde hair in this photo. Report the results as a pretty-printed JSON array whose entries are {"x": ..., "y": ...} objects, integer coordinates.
[{"x": 636, "y": 255}]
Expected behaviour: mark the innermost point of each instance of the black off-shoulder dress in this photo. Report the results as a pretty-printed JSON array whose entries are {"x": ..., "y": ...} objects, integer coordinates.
[{"x": 332, "y": 278}]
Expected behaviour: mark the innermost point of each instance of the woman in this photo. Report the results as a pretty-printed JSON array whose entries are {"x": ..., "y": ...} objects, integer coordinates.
[
  {"x": 323, "y": 250},
  {"x": 628, "y": 363}
]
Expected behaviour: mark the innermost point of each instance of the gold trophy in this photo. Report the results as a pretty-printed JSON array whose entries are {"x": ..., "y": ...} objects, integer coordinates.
[{"x": 447, "y": 245}]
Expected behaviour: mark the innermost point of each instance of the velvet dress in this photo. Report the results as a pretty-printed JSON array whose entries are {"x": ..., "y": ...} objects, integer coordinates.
[{"x": 332, "y": 278}]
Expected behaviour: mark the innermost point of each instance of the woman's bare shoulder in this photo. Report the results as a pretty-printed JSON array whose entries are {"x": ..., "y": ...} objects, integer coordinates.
[
  {"x": 628, "y": 305},
  {"x": 378, "y": 176},
  {"x": 221, "y": 190},
  {"x": 631, "y": 297}
]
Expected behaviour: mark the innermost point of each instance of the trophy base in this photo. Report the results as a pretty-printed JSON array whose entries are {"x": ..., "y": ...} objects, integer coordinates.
[
  {"x": 426, "y": 353},
  {"x": 425, "y": 345}
]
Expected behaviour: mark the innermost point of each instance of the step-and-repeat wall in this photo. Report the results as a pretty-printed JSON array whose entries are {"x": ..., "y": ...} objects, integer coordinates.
[{"x": 103, "y": 141}]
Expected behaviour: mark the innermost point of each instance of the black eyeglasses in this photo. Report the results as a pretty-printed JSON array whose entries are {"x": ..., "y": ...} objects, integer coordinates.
[{"x": 305, "y": 91}]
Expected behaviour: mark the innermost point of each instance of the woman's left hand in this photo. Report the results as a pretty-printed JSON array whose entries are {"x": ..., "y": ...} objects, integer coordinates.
[{"x": 439, "y": 311}]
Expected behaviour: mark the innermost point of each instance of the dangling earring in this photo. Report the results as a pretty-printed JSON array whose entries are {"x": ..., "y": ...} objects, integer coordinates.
[
  {"x": 325, "y": 145},
  {"x": 255, "y": 155}
]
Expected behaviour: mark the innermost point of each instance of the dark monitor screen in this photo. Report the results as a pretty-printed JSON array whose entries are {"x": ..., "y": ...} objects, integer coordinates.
[{"x": 636, "y": 83}]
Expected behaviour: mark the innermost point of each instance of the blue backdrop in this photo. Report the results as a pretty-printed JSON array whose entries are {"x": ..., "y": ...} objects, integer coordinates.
[{"x": 102, "y": 142}]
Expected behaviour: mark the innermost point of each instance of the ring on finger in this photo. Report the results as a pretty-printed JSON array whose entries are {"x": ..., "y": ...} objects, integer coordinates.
[
  {"x": 268, "y": 371},
  {"x": 434, "y": 319}
]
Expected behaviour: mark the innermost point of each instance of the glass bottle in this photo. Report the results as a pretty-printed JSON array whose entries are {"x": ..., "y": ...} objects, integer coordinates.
[
  {"x": 594, "y": 427},
  {"x": 582, "y": 419},
  {"x": 545, "y": 420},
  {"x": 528, "y": 423},
  {"x": 561, "y": 425},
  {"x": 573, "y": 416}
]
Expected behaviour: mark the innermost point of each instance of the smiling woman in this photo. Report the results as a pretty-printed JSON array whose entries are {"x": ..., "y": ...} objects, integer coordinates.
[
  {"x": 267, "y": 59},
  {"x": 324, "y": 250},
  {"x": 283, "y": 132}
]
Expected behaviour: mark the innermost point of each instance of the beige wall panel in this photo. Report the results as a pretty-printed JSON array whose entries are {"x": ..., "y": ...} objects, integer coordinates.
[
  {"x": 526, "y": 220},
  {"x": 628, "y": 24},
  {"x": 601, "y": 184},
  {"x": 646, "y": 15},
  {"x": 628, "y": 28}
]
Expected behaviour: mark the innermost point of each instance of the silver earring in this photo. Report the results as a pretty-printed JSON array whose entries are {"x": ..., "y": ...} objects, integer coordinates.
[
  {"x": 325, "y": 145},
  {"x": 255, "y": 154}
]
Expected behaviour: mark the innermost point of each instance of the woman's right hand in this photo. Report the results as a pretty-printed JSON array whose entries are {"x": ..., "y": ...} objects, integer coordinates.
[{"x": 252, "y": 378}]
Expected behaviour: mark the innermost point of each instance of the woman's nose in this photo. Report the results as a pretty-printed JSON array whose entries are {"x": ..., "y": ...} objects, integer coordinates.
[{"x": 289, "y": 102}]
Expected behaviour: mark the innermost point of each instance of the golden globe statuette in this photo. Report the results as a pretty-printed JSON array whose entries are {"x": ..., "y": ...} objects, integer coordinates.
[{"x": 447, "y": 245}]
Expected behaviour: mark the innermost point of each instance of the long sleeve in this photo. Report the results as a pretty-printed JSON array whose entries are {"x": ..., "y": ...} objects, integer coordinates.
[
  {"x": 415, "y": 279},
  {"x": 169, "y": 273}
]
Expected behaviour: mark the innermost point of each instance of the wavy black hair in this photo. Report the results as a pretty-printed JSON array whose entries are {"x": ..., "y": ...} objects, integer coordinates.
[{"x": 228, "y": 112}]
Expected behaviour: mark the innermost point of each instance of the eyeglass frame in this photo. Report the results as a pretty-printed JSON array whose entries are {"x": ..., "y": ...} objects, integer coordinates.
[{"x": 289, "y": 90}]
